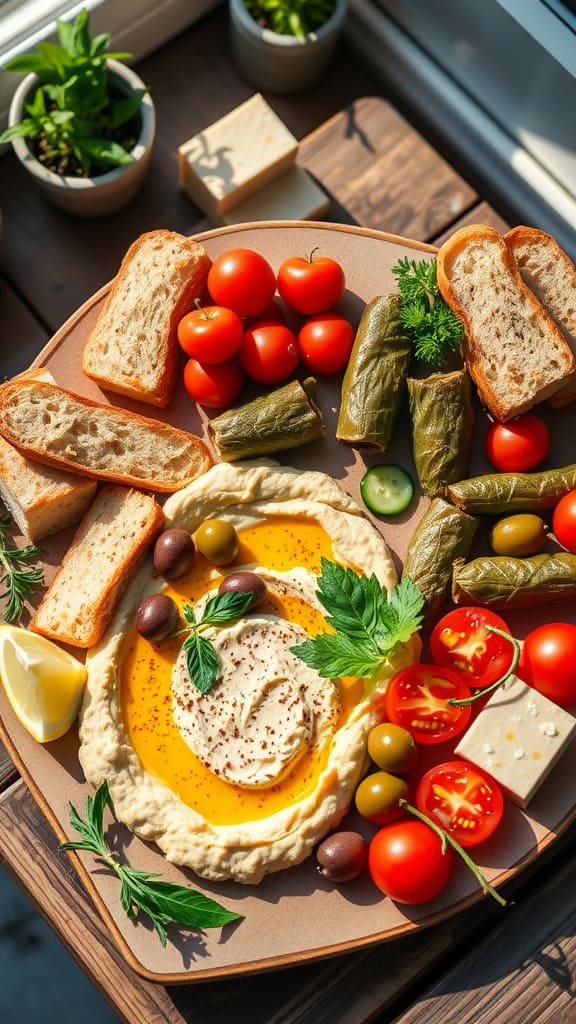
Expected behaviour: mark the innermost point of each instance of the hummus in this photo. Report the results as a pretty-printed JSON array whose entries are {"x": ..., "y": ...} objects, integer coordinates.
[{"x": 275, "y": 750}]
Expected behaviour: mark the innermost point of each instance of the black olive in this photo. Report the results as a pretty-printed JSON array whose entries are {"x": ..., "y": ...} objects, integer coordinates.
[
  {"x": 173, "y": 553},
  {"x": 243, "y": 583},
  {"x": 342, "y": 856},
  {"x": 157, "y": 616}
]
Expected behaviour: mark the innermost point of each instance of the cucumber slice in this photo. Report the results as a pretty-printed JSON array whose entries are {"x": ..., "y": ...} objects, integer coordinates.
[{"x": 386, "y": 489}]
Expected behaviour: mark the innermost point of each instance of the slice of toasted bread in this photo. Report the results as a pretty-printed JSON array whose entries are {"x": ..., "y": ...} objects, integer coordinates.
[
  {"x": 551, "y": 274},
  {"x": 133, "y": 348},
  {"x": 513, "y": 350},
  {"x": 58, "y": 428},
  {"x": 110, "y": 542}
]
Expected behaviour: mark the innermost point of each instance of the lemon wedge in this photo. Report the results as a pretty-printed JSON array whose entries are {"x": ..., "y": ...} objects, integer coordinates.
[{"x": 43, "y": 683}]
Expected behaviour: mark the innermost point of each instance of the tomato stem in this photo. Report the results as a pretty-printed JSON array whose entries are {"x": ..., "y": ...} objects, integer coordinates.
[
  {"x": 502, "y": 679},
  {"x": 310, "y": 258},
  {"x": 200, "y": 307},
  {"x": 445, "y": 838}
]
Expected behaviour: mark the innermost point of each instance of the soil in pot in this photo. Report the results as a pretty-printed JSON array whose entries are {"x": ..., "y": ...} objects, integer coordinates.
[{"x": 67, "y": 165}]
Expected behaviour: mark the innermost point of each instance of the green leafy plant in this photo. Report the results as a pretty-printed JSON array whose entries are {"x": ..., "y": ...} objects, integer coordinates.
[
  {"x": 16, "y": 574},
  {"x": 201, "y": 660},
  {"x": 143, "y": 892},
  {"x": 433, "y": 329},
  {"x": 291, "y": 17},
  {"x": 368, "y": 623},
  {"x": 78, "y": 126}
]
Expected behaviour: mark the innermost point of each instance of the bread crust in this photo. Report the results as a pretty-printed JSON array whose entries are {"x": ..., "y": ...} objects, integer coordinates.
[
  {"x": 31, "y": 401},
  {"x": 500, "y": 409},
  {"x": 192, "y": 265}
]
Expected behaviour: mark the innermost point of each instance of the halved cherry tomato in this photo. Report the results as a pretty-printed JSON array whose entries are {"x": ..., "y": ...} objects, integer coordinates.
[
  {"x": 311, "y": 284},
  {"x": 461, "y": 641},
  {"x": 242, "y": 280},
  {"x": 464, "y": 800},
  {"x": 417, "y": 698},
  {"x": 325, "y": 342},
  {"x": 407, "y": 862},
  {"x": 564, "y": 521},
  {"x": 519, "y": 445},
  {"x": 548, "y": 661},
  {"x": 269, "y": 353},
  {"x": 215, "y": 386},
  {"x": 211, "y": 334}
]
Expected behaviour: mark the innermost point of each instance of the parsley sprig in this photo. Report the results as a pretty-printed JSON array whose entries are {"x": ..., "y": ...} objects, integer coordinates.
[
  {"x": 16, "y": 575},
  {"x": 368, "y": 622},
  {"x": 201, "y": 660},
  {"x": 142, "y": 891},
  {"x": 434, "y": 330}
]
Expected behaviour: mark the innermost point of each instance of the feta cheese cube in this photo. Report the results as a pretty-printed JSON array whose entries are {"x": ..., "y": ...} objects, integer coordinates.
[{"x": 517, "y": 738}]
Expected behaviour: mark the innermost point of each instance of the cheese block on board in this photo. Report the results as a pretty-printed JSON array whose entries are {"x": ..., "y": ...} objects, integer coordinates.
[
  {"x": 293, "y": 196},
  {"x": 234, "y": 157}
]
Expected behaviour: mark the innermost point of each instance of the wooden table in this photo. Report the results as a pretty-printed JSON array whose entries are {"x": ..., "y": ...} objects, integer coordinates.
[{"x": 482, "y": 965}]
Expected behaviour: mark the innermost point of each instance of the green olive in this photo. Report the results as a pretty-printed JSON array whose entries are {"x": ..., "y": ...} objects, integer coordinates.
[
  {"x": 391, "y": 747},
  {"x": 518, "y": 536},
  {"x": 377, "y": 797},
  {"x": 218, "y": 541}
]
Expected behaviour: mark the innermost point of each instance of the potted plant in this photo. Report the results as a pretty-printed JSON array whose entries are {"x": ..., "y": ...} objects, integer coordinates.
[
  {"x": 284, "y": 45},
  {"x": 81, "y": 122}
]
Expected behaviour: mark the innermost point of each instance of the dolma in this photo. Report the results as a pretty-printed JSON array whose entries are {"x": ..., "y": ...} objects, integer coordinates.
[
  {"x": 442, "y": 418},
  {"x": 443, "y": 535},
  {"x": 375, "y": 377},
  {"x": 284, "y": 418},
  {"x": 502, "y": 582},
  {"x": 498, "y": 493}
]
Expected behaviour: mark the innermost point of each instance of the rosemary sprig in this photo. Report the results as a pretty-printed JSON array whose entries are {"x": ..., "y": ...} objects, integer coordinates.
[
  {"x": 433, "y": 329},
  {"x": 141, "y": 891},
  {"x": 19, "y": 579}
]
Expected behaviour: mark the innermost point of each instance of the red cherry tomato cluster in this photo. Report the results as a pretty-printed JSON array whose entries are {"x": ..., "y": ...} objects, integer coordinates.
[{"x": 243, "y": 330}]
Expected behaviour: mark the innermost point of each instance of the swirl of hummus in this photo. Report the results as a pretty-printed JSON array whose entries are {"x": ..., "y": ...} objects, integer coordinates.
[{"x": 266, "y": 708}]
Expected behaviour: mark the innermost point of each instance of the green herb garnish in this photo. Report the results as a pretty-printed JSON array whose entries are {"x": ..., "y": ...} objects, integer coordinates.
[
  {"x": 17, "y": 576},
  {"x": 143, "y": 892},
  {"x": 201, "y": 660},
  {"x": 368, "y": 622},
  {"x": 291, "y": 17},
  {"x": 433, "y": 329}
]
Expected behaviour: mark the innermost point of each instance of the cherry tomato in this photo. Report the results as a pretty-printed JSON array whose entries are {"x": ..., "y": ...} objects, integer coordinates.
[
  {"x": 269, "y": 353},
  {"x": 211, "y": 334},
  {"x": 417, "y": 698},
  {"x": 548, "y": 661},
  {"x": 564, "y": 521},
  {"x": 273, "y": 314},
  {"x": 464, "y": 800},
  {"x": 461, "y": 641},
  {"x": 311, "y": 284},
  {"x": 518, "y": 446},
  {"x": 407, "y": 863},
  {"x": 215, "y": 386},
  {"x": 242, "y": 280},
  {"x": 325, "y": 342}
]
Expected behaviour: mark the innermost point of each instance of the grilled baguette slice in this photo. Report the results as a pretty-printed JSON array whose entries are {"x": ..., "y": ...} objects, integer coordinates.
[
  {"x": 58, "y": 428},
  {"x": 133, "y": 348},
  {"x": 513, "y": 350},
  {"x": 551, "y": 274},
  {"x": 110, "y": 542}
]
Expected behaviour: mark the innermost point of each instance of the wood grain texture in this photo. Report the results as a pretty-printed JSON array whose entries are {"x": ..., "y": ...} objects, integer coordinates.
[{"x": 481, "y": 213}]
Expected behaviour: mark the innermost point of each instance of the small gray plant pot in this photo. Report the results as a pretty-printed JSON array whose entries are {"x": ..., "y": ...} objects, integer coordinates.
[
  {"x": 106, "y": 193},
  {"x": 278, "y": 63}
]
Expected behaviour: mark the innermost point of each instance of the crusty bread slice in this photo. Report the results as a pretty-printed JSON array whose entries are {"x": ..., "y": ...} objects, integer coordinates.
[
  {"x": 551, "y": 274},
  {"x": 58, "y": 428},
  {"x": 133, "y": 348},
  {"x": 513, "y": 350},
  {"x": 110, "y": 542},
  {"x": 41, "y": 499}
]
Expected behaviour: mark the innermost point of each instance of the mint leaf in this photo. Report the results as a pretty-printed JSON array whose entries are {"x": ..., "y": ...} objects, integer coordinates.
[
  {"x": 201, "y": 662},
  {"x": 334, "y": 655},
  {"x": 222, "y": 608}
]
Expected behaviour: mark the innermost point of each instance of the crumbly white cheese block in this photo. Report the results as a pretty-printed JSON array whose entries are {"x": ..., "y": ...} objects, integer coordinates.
[
  {"x": 234, "y": 157},
  {"x": 293, "y": 196},
  {"x": 517, "y": 738}
]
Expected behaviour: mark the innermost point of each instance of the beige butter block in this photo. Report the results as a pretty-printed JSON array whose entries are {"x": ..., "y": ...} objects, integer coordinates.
[
  {"x": 292, "y": 196},
  {"x": 235, "y": 156}
]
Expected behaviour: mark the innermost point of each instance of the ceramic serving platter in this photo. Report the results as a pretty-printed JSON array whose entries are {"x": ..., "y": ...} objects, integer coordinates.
[{"x": 295, "y": 915}]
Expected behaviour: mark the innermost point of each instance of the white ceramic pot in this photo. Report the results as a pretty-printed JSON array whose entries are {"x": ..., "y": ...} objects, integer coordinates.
[
  {"x": 90, "y": 197},
  {"x": 278, "y": 63}
]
